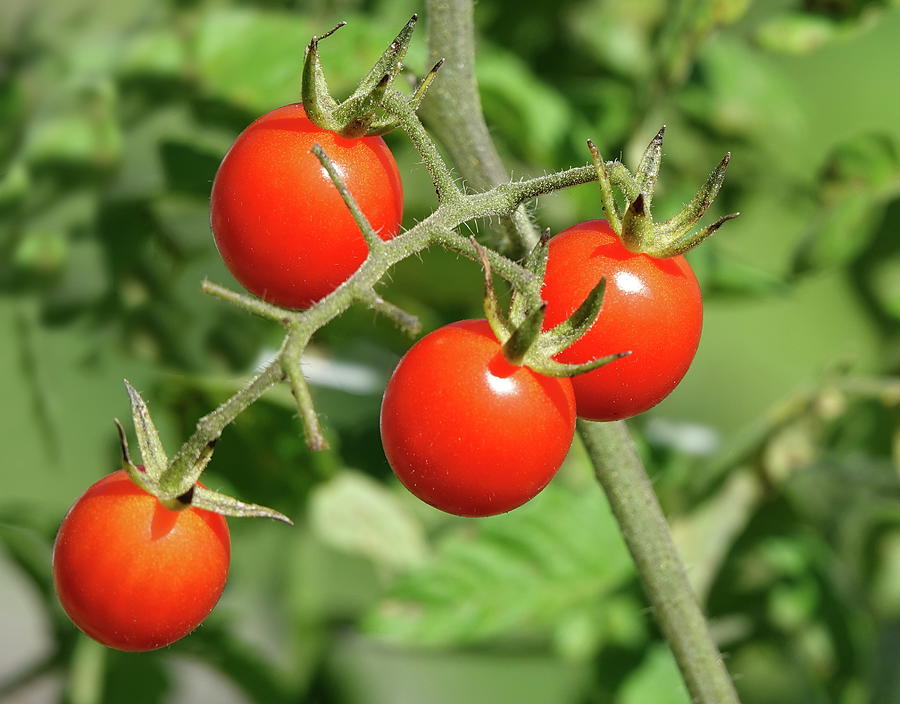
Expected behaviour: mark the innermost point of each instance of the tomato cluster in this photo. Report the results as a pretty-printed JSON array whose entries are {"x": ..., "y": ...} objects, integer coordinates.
[{"x": 464, "y": 428}]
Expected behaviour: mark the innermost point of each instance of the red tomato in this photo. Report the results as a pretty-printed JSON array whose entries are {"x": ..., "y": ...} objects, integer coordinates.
[
  {"x": 652, "y": 307},
  {"x": 133, "y": 574},
  {"x": 468, "y": 432},
  {"x": 278, "y": 220}
]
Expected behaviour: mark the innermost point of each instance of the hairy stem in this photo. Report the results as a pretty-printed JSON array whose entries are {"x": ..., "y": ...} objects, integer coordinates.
[
  {"x": 453, "y": 110},
  {"x": 644, "y": 527}
]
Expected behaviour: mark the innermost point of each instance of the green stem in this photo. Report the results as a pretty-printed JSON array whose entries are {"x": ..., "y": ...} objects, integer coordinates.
[
  {"x": 453, "y": 110},
  {"x": 644, "y": 527}
]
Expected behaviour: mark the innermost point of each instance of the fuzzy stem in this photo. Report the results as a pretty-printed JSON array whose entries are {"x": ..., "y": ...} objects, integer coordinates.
[
  {"x": 644, "y": 527},
  {"x": 453, "y": 110}
]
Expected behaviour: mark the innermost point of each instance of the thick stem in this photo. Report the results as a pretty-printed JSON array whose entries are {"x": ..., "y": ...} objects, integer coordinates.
[
  {"x": 453, "y": 110},
  {"x": 644, "y": 527}
]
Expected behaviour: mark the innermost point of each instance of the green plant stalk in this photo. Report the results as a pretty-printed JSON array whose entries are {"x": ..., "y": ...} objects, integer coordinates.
[
  {"x": 609, "y": 445},
  {"x": 452, "y": 110},
  {"x": 643, "y": 525}
]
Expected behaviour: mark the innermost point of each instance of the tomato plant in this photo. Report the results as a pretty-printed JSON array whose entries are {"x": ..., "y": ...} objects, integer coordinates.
[
  {"x": 278, "y": 220},
  {"x": 133, "y": 574},
  {"x": 652, "y": 307},
  {"x": 468, "y": 432}
]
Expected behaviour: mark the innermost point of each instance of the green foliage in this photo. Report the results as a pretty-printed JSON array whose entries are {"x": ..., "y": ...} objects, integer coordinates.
[
  {"x": 779, "y": 473},
  {"x": 520, "y": 573}
]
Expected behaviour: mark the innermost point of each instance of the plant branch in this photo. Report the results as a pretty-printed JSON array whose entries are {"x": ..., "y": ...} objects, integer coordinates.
[{"x": 453, "y": 111}]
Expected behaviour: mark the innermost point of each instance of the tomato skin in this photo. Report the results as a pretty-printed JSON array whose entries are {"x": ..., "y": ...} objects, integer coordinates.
[
  {"x": 652, "y": 307},
  {"x": 468, "y": 432},
  {"x": 278, "y": 220},
  {"x": 134, "y": 575}
]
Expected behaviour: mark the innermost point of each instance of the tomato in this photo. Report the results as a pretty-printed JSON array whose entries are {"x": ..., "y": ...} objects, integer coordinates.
[
  {"x": 278, "y": 220},
  {"x": 468, "y": 432},
  {"x": 652, "y": 307},
  {"x": 133, "y": 574}
]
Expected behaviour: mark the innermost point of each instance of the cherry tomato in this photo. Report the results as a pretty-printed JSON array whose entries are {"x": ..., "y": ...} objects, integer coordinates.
[
  {"x": 278, "y": 220},
  {"x": 133, "y": 574},
  {"x": 652, "y": 307},
  {"x": 468, "y": 432}
]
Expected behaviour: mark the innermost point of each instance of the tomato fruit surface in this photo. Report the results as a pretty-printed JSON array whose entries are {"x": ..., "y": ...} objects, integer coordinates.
[
  {"x": 278, "y": 220},
  {"x": 652, "y": 307},
  {"x": 134, "y": 575},
  {"x": 468, "y": 432}
]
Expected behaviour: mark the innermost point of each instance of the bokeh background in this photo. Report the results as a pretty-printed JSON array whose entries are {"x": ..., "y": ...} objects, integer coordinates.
[{"x": 776, "y": 459}]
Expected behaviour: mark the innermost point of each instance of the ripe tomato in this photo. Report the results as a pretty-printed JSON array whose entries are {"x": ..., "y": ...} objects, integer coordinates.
[
  {"x": 278, "y": 220},
  {"x": 468, "y": 432},
  {"x": 652, "y": 307},
  {"x": 133, "y": 574}
]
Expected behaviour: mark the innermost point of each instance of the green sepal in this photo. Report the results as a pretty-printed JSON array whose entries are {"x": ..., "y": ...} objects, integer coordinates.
[
  {"x": 152, "y": 453},
  {"x": 536, "y": 263},
  {"x": 357, "y": 113},
  {"x": 356, "y": 116},
  {"x": 385, "y": 124},
  {"x": 201, "y": 497},
  {"x": 317, "y": 100},
  {"x": 689, "y": 241},
  {"x": 137, "y": 475},
  {"x": 570, "y": 330},
  {"x": 390, "y": 62},
  {"x": 607, "y": 199},
  {"x": 648, "y": 168},
  {"x": 679, "y": 224},
  {"x": 635, "y": 227},
  {"x": 499, "y": 323},
  {"x": 524, "y": 337},
  {"x": 550, "y": 367}
]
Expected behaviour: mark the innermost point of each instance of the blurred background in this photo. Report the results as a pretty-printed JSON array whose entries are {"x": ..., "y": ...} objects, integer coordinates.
[{"x": 776, "y": 459}]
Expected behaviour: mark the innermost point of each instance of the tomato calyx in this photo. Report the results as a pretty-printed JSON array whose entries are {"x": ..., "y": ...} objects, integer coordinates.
[
  {"x": 520, "y": 331},
  {"x": 635, "y": 225},
  {"x": 177, "y": 490},
  {"x": 357, "y": 116}
]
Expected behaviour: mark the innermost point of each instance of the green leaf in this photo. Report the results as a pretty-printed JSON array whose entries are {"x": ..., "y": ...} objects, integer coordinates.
[
  {"x": 657, "y": 680},
  {"x": 796, "y": 32},
  {"x": 357, "y": 514},
  {"x": 517, "y": 572},
  {"x": 251, "y": 58}
]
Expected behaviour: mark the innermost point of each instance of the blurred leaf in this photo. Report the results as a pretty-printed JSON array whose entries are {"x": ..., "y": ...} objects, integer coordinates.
[
  {"x": 251, "y": 58},
  {"x": 657, "y": 680},
  {"x": 859, "y": 179},
  {"x": 520, "y": 104},
  {"x": 82, "y": 130},
  {"x": 355, "y": 513},
  {"x": 156, "y": 52},
  {"x": 725, "y": 274},
  {"x": 739, "y": 93},
  {"x": 705, "y": 536},
  {"x": 518, "y": 572},
  {"x": 796, "y": 32}
]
